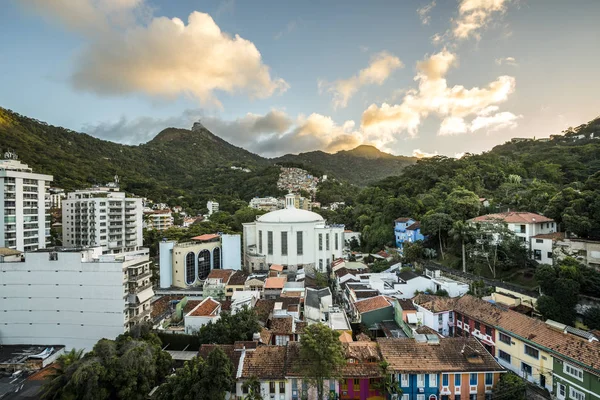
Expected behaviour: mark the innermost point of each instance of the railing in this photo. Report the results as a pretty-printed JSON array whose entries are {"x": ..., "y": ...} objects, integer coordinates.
[
  {"x": 135, "y": 278},
  {"x": 138, "y": 289},
  {"x": 140, "y": 316}
]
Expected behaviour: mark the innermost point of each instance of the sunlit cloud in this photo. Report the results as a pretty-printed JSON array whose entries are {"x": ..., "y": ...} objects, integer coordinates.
[
  {"x": 418, "y": 153},
  {"x": 474, "y": 15},
  {"x": 424, "y": 12},
  {"x": 507, "y": 61}
]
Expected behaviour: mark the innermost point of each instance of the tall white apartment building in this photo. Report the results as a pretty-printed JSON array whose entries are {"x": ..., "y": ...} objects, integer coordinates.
[
  {"x": 24, "y": 222},
  {"x": 73, "y": 297},
  {"x": 213, "y": 207},
  {"x": 101, "y": 218}
]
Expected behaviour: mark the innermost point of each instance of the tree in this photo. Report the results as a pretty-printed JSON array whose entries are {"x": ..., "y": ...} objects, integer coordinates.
[
  {"x": 230, "y": 328},
  {"x": 59, "y": 374},
  {"x": 437, "y": 224},
  {"x": 252, "y": 386},
  {"x": 387, "y": 384},
  {"x": 321, "y": 356},
  {"x": 591, "y": 317},
  {"x": 412, "y": 252},
  {"x": 510, "y": 386},
  {"x": 461, "y": 232},
  {"x": 462, "y": 204},
  {"x": 560, "y": 288}
]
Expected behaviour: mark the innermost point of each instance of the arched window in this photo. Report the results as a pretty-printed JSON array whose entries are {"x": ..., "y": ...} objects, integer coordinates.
[
  {"x": 190, "y": 268},
  {"x": 217, "y": 258},
  {"x": 203, "y": 264}
]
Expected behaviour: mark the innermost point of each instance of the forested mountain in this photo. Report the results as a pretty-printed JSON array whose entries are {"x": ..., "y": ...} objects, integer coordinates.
[{"x": 361, "y": 166}]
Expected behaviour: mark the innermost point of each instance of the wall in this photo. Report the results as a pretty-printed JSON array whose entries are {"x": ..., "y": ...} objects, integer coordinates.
[
  {"x": 62, "y": 302},
  {"x": 589, "y": 385},
  {"x": 544, "y": 246},
  {"x": 409, "y": 288},
  {"x": 165, "y": 254},
  {"x": 464, "y": 390},
  {"x": 375, "y": 316},
  {"x": 232, "y": 251},
  {"x": 179, "y": 253}
]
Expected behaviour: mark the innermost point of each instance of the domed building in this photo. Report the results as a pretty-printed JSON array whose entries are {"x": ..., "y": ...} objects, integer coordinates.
[{"x": 293, "y": 238}]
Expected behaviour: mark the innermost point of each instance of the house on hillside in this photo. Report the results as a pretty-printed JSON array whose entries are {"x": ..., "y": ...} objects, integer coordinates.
[{"x": 407, "y": 230}]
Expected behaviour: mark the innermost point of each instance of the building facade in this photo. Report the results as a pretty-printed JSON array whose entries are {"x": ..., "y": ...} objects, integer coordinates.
[
  {"x": 24, "y": 213},
  {"x": 293, "y": 238},
  {"x": 407, "y": 230},
  {"x": 159, "y": 220},
  {"x": 74, "y": 297},
  {"x": 110, "y": 220}
]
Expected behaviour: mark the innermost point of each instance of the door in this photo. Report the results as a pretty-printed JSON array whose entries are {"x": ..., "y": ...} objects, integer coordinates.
[
  {"x": 561, "y": 391},
  {"x": 543, "y": 380}
]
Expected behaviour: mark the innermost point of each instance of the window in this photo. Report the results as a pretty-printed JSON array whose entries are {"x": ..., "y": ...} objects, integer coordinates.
[
  {"x": 299, "y": 243},
  {"x": 272, "y": 387},
  {"x": 526, "y": 369},
  {"x": 539, "y": 240},
  {"x": 203, "y": 264},
  {"x": 190, "y": 268},
  {"x": 489, "y": 379},
  {"x": 576, "y": 394},
  {"x": 473, "y": 379},
  {"x": 440, "y": 319},
  {"x": 504, "y": 338},
  {"x": 550, "y": 254},
  {"x": 537, "y": 255},
  {"x": 404, "y": 380},
  {"x": 356, "y": 382},
  {"x": 456, "y": 379},
  {"x": 320, "y": 264},
  {"x": 572, "y": 371},
  {"x": 488, "y": 331},
  {"x": 466, "y": 320},
  {"x": 337, "y": 242},
  {"x": 420, "y": 380},
  {"x": 420, "y": 397},
  {"x": 260, "y": 242},
  {"x": 531, "y": 352},
  {"x": 450, "y": 316},
  {"x": 444, "y": 379},
  {"x": 245, "y": 389},
  {"x": 281, "y": 340},
  {"x": 432, "y": 380},
  {"x": 405, "y": 397},
  {"x": 217, "y": 258},
  {"x": 327, "y": 241},
  {"x": 284, "y": 243},
  {"x": 320, "y": 241},
  {"x": 561, "y": 391},
  {"x": 270, "y": 242},
  {"x": 504, "y": 356},
  {"x": 281, "y": 387},
  {"x": 522, "y": 229},
  {"x": 477, "y": 325}
]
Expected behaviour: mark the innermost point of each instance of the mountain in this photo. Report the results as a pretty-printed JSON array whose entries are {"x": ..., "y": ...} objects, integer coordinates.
[{"x": 361, "y": 165}]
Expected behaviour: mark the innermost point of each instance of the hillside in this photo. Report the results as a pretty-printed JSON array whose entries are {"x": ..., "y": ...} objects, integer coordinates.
[{"x": 360, "y": 166}]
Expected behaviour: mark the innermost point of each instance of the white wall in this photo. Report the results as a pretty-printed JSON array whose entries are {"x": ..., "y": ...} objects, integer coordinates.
[
  {"x": 193, "y": 324},
  {"x": 231, "y": 246},
  {"x": 545, "y": 248},
  {"x": 409, "y": 288},
  {"x": 165, "y": 253},
  {"x": 66, "y": 301}
]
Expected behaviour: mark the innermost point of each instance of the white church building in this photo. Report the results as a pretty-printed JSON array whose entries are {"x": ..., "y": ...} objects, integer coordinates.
[{"x": 293, "y": 238}]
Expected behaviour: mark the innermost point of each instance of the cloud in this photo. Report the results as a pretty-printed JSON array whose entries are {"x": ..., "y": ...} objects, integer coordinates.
[
  {"x": 127, "y": 50},
  {"x": 495, "y": 122},
  {"x": 474, "y": 15},
  {"x": 418, "y": 153},
  {"x": 507, "y": 61},
  {"x": 289, "y": 28},
  {"x": 381, "y": 66},
  {"x": 424, "y": 12},
  {"x": 433, "y": 96}
]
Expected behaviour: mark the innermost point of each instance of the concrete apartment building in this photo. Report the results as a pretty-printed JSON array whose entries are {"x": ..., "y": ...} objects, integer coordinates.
[
  {"x": 102, "y": 218},
  {"x": 26, "y": 224},
  {"x": 212, "y": 206},
  {"x": 158, "y": 219},
  {"x": 73, "y": 297}
]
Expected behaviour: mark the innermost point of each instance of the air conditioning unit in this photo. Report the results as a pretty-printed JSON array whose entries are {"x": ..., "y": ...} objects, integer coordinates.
[{"x": 421, "y": 390}]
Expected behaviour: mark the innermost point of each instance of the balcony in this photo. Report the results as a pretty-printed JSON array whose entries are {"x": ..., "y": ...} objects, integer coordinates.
[
  {"x": 138, "y": 289},
  {"x": 140, "y": 317},
  {"x": 138, "y": 277}
]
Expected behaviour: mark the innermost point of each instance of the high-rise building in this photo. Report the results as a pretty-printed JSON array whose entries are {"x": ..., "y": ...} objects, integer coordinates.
[
  {"x": 24, "y": 222},
  {"x": 102, "y": 218},
  {"x": 213, "y": 207},
  {"x": 73, "y": 297}
]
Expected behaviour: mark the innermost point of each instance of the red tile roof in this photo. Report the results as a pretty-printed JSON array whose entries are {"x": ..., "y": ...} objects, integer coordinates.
[
  {"x": 365, "y": 359},
  {"x": 513, "y": 217},
  {"x": 404, "y": 219},
  {"x": 222, "y": 274},
  {"x": 372, "y": 303},
  {"x": 238, "y": 278},
  {"x": 205, "y": 237},
  {"x": 450, "y": 355},
  {"x": 415, "y": 226},
  {"x": 276, "y": 267},
  {"x": 435, "y": 304},
  {"x": 275, "y": 282},
  {"x": 553, "y": 236},
  {"x": 208, "y": 308},
  {"x": 266, "y": 362}
]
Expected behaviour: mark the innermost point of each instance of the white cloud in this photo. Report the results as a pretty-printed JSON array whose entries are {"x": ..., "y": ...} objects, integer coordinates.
[
  {"x": 502, "y": 120},
  {"x": 381, "y": 66},
  {"x": 459, "y": 155},
  {"x": 433, "y": 96},
  {"x": 422, "y": 154},
  {"x": 507, "y": 61},
  {"x": 425, "y": 11},
  {"x": 127, "y": 50},
  {"x": 474, "y": 15},
  {"x": 289, "y": 28}
]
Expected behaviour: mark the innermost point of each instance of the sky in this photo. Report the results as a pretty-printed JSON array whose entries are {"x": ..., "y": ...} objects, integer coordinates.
[{"x": 411, "y": 77}]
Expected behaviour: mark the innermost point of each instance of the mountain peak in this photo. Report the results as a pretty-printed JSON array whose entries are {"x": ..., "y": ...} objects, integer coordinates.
[{"x": 367, "y": 151}]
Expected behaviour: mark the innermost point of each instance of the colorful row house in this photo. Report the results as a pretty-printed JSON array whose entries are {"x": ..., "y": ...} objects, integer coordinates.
[
  {"x": 432, "y": 368},
  {"x": 361, "y": 375}
]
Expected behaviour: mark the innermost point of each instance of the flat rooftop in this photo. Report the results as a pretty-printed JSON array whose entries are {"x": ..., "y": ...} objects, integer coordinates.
[{"x": 20, "y": 353}]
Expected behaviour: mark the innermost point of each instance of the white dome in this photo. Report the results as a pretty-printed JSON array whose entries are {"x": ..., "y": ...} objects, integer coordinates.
[{"x": 290, "y": 215}]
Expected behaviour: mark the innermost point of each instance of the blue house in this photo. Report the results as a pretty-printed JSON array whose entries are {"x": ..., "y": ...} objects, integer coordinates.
[{"x": 407, "y": 230}]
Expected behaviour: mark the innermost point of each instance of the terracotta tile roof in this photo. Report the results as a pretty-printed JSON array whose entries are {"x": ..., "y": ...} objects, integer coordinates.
[
  {"x": 275, "y": 282},
  {"x": 222, "y": 274},
  {"x": 281, "y": 325},
  {"x": 553, "y": 236},
  {"x": 366, "y": 294},
  {"x": 5, "y": 251},
  {"x": 425, "y": 330},
  {"x": 238, "y": 278},
  {"x": 226, "y": 305},
  {"x": 190, "y": 305},
  {"x": 293, "y": 361},
  {"x": 301, "y": 326},
  {"x": 228, "y": 349},
  {"x": 365, "y": 358},
  {"x": 383, "y": 253},
  {"x": 371, "y": 304},
  {"x": 414, "y": 227},
  {"x": 513, "y": 217},
  {"x": 345, "y": 337},
  {"x": 276, "y": 267},
  {"x": 205, "y": 237},
  {"x": 408, "y": 356},
  {"x": 435, "y": 304},
  {"x": 265, "y": 336},
  {"x": 208, "y": 308},
  {"x": 266, "y": 362},
  {"x": 161, "y": 306},
  {"x": 264, "y": 307},
  {"x": 246, "y": 344},
  {"x": 533, "y": 330},
  {"x": 363, "y": 337},
  {"x": 404, "y": 219},
  {"x": 406, "y": 304}
]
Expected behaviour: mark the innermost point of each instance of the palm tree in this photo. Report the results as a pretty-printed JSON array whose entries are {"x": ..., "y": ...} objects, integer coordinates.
[
  {"x": 58, "y": 377},
  {"x": 461, "y": 232}
]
